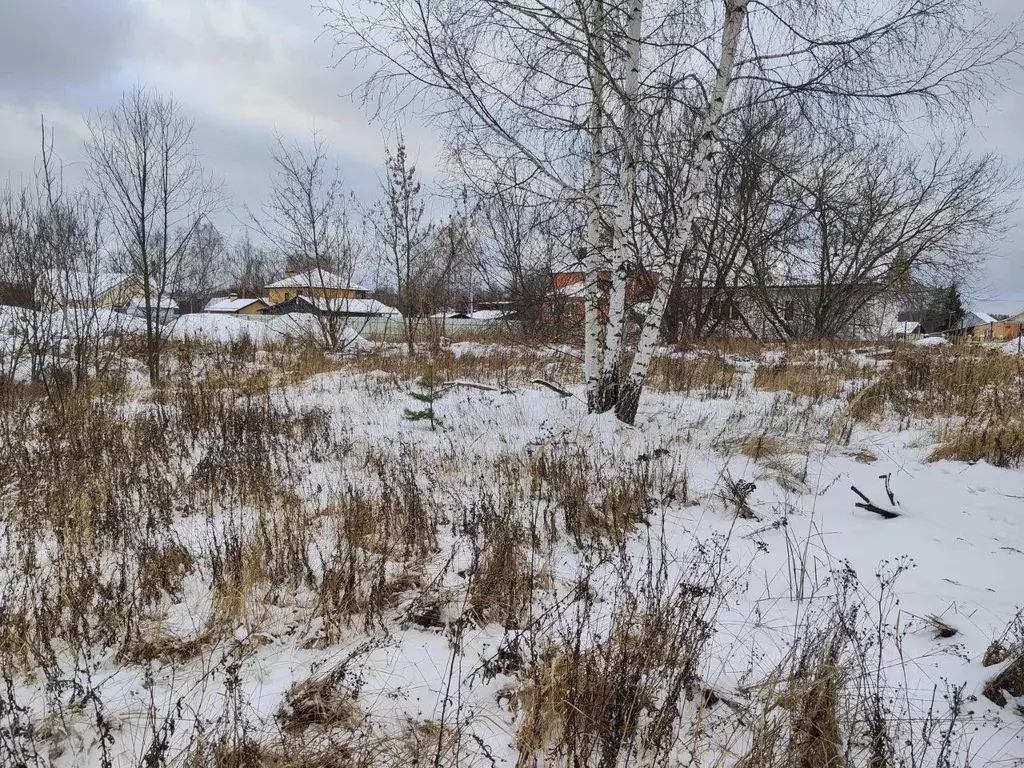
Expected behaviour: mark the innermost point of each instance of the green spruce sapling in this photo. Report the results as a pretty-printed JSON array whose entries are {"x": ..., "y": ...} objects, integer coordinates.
[{"x": 430, "y": 392}]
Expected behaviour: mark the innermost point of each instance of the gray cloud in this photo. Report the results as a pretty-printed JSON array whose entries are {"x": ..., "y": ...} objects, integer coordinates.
[{"x": 51, "y": 47}]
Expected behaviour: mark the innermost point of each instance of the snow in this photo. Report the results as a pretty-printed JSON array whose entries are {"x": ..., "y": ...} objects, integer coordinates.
[
  {"x": 953, "y": 552},
  {"x": 81, "y": 286},
  {"x": 930, "y": 341},
  {"x": 316, "y": 278},
  {"x": 490, "y": 314},
  {"x": 905, "y": 328},
  {"x": 577, "y": 290},
  {"x": 137, "y": 306},
  {"x": 219, "y": 328},
  {"x": 350, "y": 306}
]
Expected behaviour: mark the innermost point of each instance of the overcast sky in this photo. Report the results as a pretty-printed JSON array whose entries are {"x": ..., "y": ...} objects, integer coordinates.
[{"x": 244, "y": 69}]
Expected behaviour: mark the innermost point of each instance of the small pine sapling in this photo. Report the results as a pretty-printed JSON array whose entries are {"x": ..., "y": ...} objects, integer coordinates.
[{"x": 430, "y": 392}]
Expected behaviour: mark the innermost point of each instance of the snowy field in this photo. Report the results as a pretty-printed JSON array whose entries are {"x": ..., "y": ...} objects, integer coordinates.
[{"x": 247, "y": 568}]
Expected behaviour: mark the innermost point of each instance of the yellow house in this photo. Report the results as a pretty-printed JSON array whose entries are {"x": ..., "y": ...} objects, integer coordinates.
[
  {"x": 998, "y": 330},
  {"x": 316, "y": 283},
  {"x": 232, "y": 305},
  {"x": 980, "y": 325}
]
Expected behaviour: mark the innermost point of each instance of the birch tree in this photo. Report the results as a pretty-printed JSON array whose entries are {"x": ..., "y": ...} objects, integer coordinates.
[{"x": 556, "y": 86}]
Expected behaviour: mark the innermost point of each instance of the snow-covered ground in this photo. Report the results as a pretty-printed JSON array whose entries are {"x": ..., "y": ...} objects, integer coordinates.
[{"x": 784, "y": 559}]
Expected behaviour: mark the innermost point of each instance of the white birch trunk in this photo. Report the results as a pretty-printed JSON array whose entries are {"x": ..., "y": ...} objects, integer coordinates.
[
  {"x": 623, "y": 213},
  {"x": 629, "y": 401},
  {"x": 592, "y": 260}
]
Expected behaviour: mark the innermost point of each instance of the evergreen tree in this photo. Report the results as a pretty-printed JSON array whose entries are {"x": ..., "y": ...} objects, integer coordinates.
[
  {"x": 943, "y": 312},
  {"x": 430, "y": 392}
]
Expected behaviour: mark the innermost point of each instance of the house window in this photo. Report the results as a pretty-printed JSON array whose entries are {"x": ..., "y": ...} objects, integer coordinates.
[{"x": 788, "y": 310}]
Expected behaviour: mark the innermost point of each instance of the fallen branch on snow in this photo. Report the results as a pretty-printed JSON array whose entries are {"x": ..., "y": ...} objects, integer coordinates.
[
  {"x": 888, "y": 512},
  {"x": 553, "y": 387},
  {"x": 476, "y": 385}
]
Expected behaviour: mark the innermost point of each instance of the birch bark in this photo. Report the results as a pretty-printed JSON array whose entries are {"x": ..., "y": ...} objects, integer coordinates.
[
  {"x": 707, "y": 146},
  {"x": 592, "y": 342},
  {"x": 624, "y": 212}
]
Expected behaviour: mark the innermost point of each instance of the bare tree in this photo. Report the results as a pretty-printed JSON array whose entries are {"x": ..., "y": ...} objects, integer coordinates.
[
  {"x": 876, "y": 217},
  {"x": 519, "y": 246},
  {"x": 143, "y": 164},
  {"x": 206, "y": 262},
  {"x": 51, "y": 251},
  {"x": 747, "y": 213},
  {"x": 249, "y": 267},
  {"x": 307, "y": 220},
  {"x": 404, "y": 238}
]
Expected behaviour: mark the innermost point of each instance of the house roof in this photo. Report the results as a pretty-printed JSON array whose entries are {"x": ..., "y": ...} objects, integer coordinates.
[
  {"x": 166, "y": 302},
  {"x": 490, "y": 314},
  {"x": 83, "y": 286},
  {"x": 227, "y": 305},
  {"x": 450, "y": 315},
  {"x": 904, "y": 327},
  {"x": 349, "y": 306},
  {"x": 316, "y": 278},
  {"x": 973, "y": 318}
]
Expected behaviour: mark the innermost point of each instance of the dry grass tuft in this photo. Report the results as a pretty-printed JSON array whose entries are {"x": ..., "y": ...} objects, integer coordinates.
[
  {"x": 864, "y": 456},
  {"x": 940, "y": 627},
  {"x": 323, "y": 702},
  {"x": 796, "y": 723},
  {"x": 813, "y": 703},
  {"x": 621, "y": 697},
  {"x": 999, "y": 441},
  {"x": 502, "y": 585},
  {"x": 964, "y": 381},
  {"x": 803, "y": 380},
  {"x": 758, "y": 447}
]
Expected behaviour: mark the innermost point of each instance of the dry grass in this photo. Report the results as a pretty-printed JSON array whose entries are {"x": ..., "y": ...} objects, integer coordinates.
[
  {"x": 217, "y": 488},
  {"x": 591, "y": 498},
  {"x": 963, "y": 381},
  {"x": 762, "y": 446},
  {"x": 803, "y": 380},
  {"x": 502, "y": 366},
  {"x": 417, "y": 744},
  {"x": 324, "y": 702},
  {"x": 999, "y": 442},
  {"x": 710, "y": 373},
  {"x": 501, "y": 589}
]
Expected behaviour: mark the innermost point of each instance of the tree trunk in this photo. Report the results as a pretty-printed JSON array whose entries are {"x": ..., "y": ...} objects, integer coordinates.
[
  {"x": 623, "y": 214},
  {"x": 629, "y": 399},
  {"x": 592, "y": 266}
]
